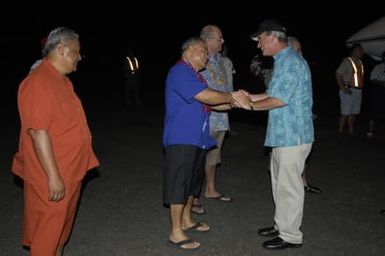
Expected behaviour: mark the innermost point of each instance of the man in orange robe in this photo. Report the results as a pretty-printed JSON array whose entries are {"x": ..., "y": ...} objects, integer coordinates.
[{"x": 55, "y": 148}]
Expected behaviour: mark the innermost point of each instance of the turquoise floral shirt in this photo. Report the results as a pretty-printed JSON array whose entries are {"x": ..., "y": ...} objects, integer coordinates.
[{"x": 292, "y": 124}]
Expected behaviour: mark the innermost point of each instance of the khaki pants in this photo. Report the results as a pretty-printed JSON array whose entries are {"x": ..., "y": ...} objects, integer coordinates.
[
  {"x": 214, "y": 155},
  {"x": 286, "y": 167}
]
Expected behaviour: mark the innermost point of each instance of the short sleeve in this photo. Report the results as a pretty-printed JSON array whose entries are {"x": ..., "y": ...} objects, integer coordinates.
[
  {"x": 35, "y": 105},
  {"x": 186, "y": 84},
  {"x": 344, "y": 68},
  {"x": 285, "y": 81}
]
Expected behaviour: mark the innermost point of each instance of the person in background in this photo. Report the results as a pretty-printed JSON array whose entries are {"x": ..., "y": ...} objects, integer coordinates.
[
  {"x": 37, "y": 62},
  {"x": 217, "y": 78},
  {"x": 132, "y": 79},
  {"x": 294, "y": 43},
  {"x": 377, "y": 95},
  {"x": 350, "y": 80}
]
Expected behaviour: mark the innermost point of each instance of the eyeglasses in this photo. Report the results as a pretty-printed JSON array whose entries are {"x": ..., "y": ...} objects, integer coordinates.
[{"x": 219, "y": 40}]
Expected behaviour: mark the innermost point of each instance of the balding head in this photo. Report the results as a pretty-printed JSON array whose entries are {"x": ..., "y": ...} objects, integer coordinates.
[
  {"x": 209, "y": 31},
  {"x": 212, "y": 35}
]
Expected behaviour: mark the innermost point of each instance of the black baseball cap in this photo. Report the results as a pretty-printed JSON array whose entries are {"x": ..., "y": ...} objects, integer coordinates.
[{"x": 268, "y": 25}]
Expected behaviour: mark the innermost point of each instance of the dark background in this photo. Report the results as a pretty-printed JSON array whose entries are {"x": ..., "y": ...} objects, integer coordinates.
[{"x": 156, "y": 40}]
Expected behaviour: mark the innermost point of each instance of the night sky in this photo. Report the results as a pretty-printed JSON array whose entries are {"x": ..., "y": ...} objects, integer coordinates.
[{"x": 156, "y": 39}]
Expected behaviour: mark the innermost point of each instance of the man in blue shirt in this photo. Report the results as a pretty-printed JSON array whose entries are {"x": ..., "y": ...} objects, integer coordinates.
[
  {"x": 186, "y": 137},
  {"x": 289, "y": 132}
]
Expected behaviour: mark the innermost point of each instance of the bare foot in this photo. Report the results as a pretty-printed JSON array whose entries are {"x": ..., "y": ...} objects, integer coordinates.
[
  {"x": 212, "y": 194},
  {"x": 195, "y": 201}
]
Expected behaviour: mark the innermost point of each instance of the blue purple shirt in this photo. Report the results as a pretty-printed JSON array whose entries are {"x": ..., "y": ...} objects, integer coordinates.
[{"x": 186, "y": 119}]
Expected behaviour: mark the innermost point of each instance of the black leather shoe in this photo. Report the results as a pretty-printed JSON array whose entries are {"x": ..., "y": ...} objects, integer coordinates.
[
  {"x": 382, "y": 212},
  {"x": 270, "y": 231},
  {"x": 279, "y": 244},
  {"x": 311, "y": 189}
]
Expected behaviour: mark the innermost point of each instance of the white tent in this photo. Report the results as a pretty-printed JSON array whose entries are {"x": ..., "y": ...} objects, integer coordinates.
[{"x": 372, "y": 38}]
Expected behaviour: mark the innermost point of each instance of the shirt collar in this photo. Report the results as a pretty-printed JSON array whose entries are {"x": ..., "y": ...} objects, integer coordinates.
[
  {"x": 215, "y": 57},
  {"x": 284, "y": 52}
]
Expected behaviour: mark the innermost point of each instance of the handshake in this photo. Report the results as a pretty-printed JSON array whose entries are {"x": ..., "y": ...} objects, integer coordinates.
[{"x": 245, "y": 100}]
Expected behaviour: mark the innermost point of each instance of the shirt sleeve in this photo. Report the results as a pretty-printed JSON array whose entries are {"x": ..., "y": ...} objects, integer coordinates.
[
  {"x": 187, "y": 85},
  {"x": 344, "y": 68},
  {"x": 35, "y": 103},
  {"x": 285, "y": 81}
]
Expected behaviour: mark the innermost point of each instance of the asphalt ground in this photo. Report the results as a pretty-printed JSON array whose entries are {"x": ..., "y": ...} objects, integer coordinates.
[{"x": 121, "y": 211}]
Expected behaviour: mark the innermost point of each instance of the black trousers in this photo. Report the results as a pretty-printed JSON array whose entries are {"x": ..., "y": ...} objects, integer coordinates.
[{"x": 183, "y": 173}]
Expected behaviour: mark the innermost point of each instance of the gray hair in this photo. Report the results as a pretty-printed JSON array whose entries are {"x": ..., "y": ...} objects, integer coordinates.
[
  {"x": 190, "y": 42},
  {"x": 291, "y": 40},
  {"x": 278, "y": 34},
  {"x": 57, "y": 36}
]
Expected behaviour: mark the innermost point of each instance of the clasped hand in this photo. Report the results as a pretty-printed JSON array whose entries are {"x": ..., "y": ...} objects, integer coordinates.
[{"x": 241, "y": 99}]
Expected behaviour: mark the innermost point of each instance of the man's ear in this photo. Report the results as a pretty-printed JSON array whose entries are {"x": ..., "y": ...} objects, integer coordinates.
[{"x": 60, "y": 49}]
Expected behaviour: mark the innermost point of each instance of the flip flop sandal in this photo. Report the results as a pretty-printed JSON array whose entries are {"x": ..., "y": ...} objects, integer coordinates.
[
  {"x": 197, "y": 226},
  {"x": 222, "y": 198},
  {"x": 184, "y": 242}
]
